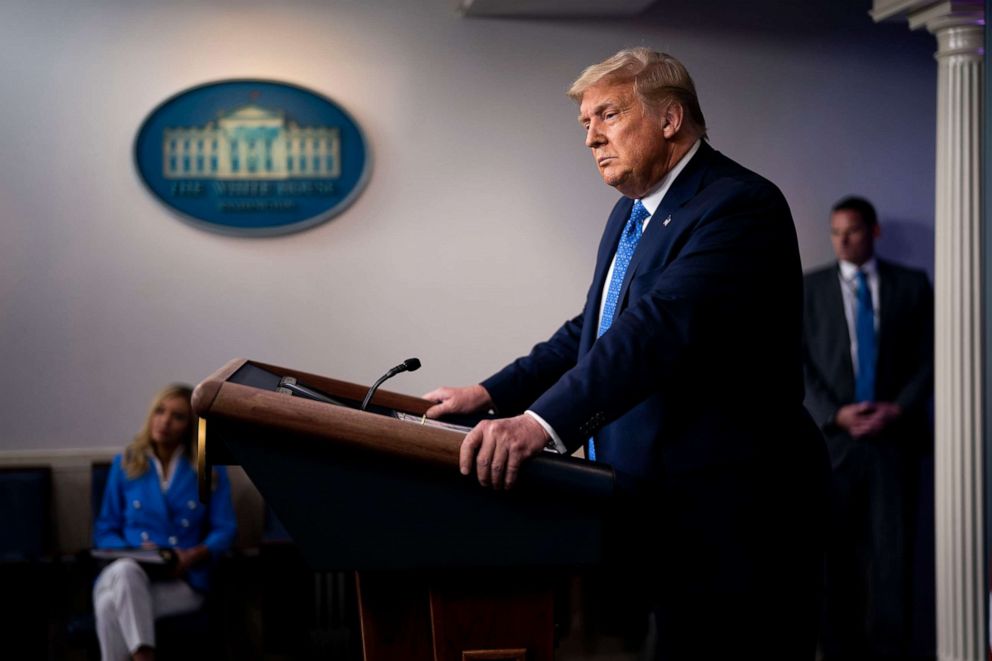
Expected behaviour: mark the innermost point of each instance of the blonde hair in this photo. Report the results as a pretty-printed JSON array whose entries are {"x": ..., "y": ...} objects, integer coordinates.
[
  {"x": 658, "y": 79},
  {"x": 135, "y": 461}
]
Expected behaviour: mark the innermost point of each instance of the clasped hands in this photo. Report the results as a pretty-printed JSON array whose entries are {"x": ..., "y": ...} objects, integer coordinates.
[
  {"x": 496, "y": 448},
  {"x": 866, "y": 419}
]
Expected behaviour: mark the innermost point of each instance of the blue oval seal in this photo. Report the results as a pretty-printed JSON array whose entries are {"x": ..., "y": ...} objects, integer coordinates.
[{"x": 252, "y": 157}]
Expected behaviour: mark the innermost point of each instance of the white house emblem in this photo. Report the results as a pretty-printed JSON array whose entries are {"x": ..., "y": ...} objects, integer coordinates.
[
  {"x": 252, "y": 143},
  {"x": 252, "y": 157}
]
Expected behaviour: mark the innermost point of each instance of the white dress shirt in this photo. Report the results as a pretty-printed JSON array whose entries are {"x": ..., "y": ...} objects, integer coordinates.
[{"x": 165, "y": 473}]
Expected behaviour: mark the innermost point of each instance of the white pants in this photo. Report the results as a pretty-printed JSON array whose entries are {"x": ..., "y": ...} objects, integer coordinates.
[{"x": 126, "y": 604}]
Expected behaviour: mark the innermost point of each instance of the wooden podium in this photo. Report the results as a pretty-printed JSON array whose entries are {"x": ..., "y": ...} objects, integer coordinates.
[{"x": 447, "y": 570}]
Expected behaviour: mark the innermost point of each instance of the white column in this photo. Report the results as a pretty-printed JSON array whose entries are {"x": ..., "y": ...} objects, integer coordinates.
[{"x": 959, "y": 457}]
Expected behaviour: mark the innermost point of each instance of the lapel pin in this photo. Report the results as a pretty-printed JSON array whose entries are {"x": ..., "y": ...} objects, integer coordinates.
[{"x": 667, "y": 220}]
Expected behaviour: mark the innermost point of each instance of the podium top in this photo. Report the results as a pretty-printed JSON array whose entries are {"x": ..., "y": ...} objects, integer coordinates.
[{"x": 246, "y": 391}]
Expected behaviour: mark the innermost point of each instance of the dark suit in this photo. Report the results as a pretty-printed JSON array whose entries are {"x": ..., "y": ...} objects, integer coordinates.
[
  {"x": 694, "y": 396},
  {"x": 872, "y": 484}
]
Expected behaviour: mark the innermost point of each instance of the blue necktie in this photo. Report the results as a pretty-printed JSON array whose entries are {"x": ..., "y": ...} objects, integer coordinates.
[
  {"x": 864, "y": 327},
  {"x": 625, "y": 250}
]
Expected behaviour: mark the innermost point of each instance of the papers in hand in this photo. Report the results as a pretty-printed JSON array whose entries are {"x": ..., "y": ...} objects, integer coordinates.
[{"x": 142, "y": 556}]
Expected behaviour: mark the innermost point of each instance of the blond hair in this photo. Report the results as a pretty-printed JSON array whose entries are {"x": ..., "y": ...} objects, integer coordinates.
[
  {"x": 658, "y": 79},
  {"x": 135, "y": 461}
]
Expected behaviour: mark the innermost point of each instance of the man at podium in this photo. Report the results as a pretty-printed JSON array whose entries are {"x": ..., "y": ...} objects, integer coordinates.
[{"x": 683, "y": 372}]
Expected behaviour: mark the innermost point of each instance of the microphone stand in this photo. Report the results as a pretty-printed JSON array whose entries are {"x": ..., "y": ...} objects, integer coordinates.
[{"x": 408, "y": 365}]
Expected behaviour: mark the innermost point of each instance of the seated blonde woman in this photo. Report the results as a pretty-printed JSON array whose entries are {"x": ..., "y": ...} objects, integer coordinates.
[{"x": 151, "y": 501}]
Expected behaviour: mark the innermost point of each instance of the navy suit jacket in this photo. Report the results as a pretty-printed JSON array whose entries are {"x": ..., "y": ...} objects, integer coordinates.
[
  {"x": 904, "y": 370},
  {"x": 702, "y": 365}
]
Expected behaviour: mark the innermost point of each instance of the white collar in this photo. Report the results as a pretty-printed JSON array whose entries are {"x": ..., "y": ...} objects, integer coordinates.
[
  {"x": 166, "y": 474},
  {"x": 849, "y": 271},
  {"x": 652, "y": 200}
]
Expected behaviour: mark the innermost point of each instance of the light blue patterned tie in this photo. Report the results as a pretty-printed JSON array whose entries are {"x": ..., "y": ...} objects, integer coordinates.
[
  {"x": 625, "y": 250},
  {"x": 864, "y": 328}
]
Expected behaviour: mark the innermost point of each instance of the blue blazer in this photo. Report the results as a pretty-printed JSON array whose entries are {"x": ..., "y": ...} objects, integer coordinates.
[
  {"x": 702, "y": 366},
  {"x": 136, "y": 511}
]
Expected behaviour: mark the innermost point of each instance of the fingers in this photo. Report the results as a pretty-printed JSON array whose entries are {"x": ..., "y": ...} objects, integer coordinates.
[
  {"x": 470, "y": 446},
  {"x": 859, "y": 427},
  {"x": 512, "y": 468},
  {"x": 485, "y": 451},
  {"x": 449, "y": 400},
  {"x": 496, "y": 449},
  {"x": 489, "y": 461},
  {"x": 871, "y": 427},
  {"x": 439, "y": 410},
  {"x": 443, "y": 397},
  {"x": 468, "y": 399},
  {"x": 437, "y": 395},
  {"x": 865, "y": 427}
]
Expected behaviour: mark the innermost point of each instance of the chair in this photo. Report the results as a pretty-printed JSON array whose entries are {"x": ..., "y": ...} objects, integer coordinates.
[
  {"x": 27, "y": 568},
  {"x": 25, "y": 500},
  {"x": 99, "y": 471}
]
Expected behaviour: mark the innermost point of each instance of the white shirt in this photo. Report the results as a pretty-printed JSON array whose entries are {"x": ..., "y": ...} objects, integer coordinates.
[
  {"x": 848, "y": 275},
  {"x": 166, "y": 473},
  {"x": 651, "y": 202}
]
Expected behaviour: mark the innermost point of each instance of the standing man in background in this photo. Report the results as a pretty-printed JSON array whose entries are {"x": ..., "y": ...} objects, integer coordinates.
[
  {"x": 869, "y": 379},
  {"x": 684, "y": 373}
]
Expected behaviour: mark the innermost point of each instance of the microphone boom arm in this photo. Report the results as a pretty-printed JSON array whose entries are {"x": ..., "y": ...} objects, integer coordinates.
[{"x": 408, "y": 365}]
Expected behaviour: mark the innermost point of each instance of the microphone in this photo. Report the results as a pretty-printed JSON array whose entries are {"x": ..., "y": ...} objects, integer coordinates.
[{"x": 408, "y": 365}]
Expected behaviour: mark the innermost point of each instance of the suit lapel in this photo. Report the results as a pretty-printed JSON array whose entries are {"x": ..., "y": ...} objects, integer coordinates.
[
  {"x": 836, "y": 318},
  {"x": 665, "y": 225}
]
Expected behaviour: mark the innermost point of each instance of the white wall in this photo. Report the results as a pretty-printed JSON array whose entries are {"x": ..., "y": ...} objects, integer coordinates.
[{"x": 476, "y": 234}]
